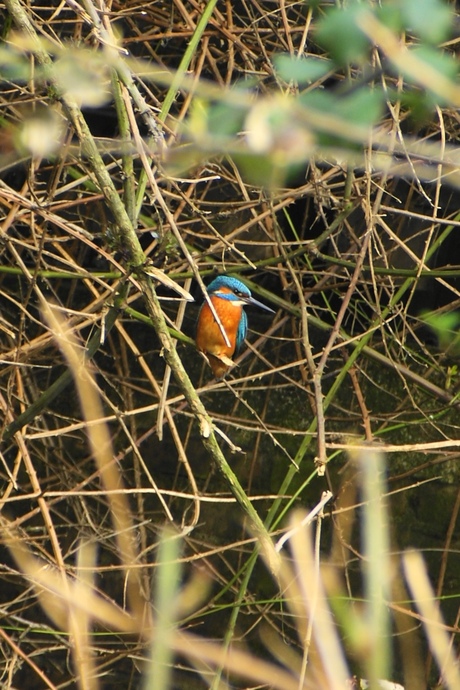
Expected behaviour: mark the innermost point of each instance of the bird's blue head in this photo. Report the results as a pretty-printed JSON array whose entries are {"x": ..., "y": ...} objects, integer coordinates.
[
  {"x": 229, "y": 288},
  {"x": 233, "y": 290}
]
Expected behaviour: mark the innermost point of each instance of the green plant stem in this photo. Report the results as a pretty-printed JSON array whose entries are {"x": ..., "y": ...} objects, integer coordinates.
[
  {"x": 207, "y": 433},
  {"x": 236, "y": 608},
  {"x": 124, "y": 74},
  {"x": 127, "y": 238},
  {"x": 176, "y": 83},
  {"x": 396, "y": 272},
  {"x": 186, "y": 60},
  {"x": 360, "y": 346},
  {"x": 129, "y": 191},
  {"x": 46, "y": 398},
  {"x": 64, "y": 275}
]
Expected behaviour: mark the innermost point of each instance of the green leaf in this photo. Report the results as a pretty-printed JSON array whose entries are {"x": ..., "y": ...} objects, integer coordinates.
[
  {"x": 420, "y": 104},
  {"x": 445, "y": 66},
  {"x": 390, "y": 16},
  {"x": 340, "y": 34},
  {"x": 362, "y": 107},
  {"x": 266, "y": 170},
  {"x": 303, "y": 70},
  {"x": 225, "y": 120},
  {"x": 442, "y": 62},
  {"x": 446, "y": 328},
  {"x": 430, "y": 19},
  {"x": 14, "y": 66}
]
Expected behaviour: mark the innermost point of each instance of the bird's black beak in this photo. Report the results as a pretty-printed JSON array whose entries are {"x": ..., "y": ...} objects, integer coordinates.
[{"x": 256, "y": 303}]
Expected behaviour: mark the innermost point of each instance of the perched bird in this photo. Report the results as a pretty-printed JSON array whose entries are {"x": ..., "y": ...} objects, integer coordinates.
[{"x": 229, "y": 296}]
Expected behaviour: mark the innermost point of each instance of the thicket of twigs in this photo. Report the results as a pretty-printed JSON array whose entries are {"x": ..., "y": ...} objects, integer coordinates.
[{"x": 309, "y": 150}]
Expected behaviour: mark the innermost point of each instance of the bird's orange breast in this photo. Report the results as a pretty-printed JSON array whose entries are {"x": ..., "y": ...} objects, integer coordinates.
[{"x": 209, "y": 338}]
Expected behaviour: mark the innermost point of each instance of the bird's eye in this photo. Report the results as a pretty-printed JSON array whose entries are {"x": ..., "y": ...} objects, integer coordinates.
[{"x": 238, "y": 293}]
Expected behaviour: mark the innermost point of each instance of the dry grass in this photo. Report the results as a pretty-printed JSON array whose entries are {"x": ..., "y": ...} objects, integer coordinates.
[{"x": 102, "y": 450}]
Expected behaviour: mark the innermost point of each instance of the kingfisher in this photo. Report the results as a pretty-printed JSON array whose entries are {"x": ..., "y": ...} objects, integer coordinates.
[{"x": 229, "y": 296}]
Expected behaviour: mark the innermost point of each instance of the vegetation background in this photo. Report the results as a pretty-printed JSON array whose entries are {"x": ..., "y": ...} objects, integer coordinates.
[{"x": 311, "y": 150}]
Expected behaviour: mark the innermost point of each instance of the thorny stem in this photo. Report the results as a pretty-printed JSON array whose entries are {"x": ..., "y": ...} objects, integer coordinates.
[{"x": 127, "y": 238}]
